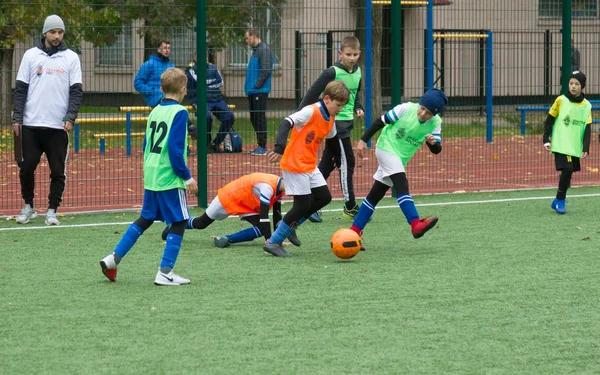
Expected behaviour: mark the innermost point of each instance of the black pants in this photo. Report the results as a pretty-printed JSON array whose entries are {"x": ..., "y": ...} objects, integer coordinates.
[
  {"x": 258, "y": 117},
  {"x": 326, "y": 166},
  {"x": 36, "y": 141},
  {"x": 306, "y": 205}
]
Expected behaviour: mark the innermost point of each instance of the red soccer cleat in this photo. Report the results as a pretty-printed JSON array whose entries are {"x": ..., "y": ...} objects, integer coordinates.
[
  {"x": 420, "y": 226},
  {"x": 110, "y": 274},
  {"x": 109, "y": 267}
]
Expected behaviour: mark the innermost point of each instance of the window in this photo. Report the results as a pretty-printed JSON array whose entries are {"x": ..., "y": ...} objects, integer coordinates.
[
  {"x": 183, "y": 46},
  {"x": 580, "y": 8},
  {"x": 268, "y": 21},
  {"x": 119, "y": 53}
]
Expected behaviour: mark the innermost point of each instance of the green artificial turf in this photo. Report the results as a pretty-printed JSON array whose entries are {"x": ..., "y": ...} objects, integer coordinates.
[{"x": 502, "y": 285}]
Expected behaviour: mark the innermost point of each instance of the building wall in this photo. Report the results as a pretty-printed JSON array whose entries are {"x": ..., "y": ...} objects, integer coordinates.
[
  {"x": 308, "y": 16},
  {"x": 518, "y": 35},
  {"x": 518, "y": 47}
]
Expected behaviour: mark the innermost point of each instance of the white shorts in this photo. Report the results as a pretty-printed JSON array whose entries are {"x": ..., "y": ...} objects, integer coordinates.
[
  {"x": 302, "y": 183},
  {"x": 216, "y": 211},
  {"x": 389, "y": 164}
]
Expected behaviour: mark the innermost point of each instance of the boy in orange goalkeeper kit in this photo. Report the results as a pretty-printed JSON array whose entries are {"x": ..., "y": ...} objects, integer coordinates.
[
  {"x": 310, "y": 126},
  {"x": 250, "y": 197}
]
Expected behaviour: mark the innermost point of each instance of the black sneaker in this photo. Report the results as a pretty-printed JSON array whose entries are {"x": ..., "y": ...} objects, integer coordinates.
[
  {"x": 214, "y": 149},
  {"x": 275, "y": 249},
  {"x": 293, "y": 237},
  {"x": 165, "y": 232},
  {"x": 316, "y": 217},
  {"x": 350, "y": 213},
  {"x": 222, "y": 242}
]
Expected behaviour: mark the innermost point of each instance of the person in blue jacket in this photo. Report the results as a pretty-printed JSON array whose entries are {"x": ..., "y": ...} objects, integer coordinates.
[
  {"x": 147, "y": 80},
  {"x": 258, "y": 86},
  {"x": 215, "y": 105}
]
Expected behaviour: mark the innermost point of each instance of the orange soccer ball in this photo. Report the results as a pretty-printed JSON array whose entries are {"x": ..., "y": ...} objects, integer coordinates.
[{"x": 345, "y": 243}]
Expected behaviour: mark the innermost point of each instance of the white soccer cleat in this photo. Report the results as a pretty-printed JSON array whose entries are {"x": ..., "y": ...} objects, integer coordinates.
[
  {"x": 170, "y": 279},
  {"x": 26, "y": 214},
  {"x": 51, "y": 218}
]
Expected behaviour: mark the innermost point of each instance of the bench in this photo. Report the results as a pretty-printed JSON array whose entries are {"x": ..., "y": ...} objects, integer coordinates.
[
  {"x": 128, "y": 119},
  {"x": 546, "y": 108},
  {"x": 148, "y": 109},
  {"x": 103, "y": 136}
]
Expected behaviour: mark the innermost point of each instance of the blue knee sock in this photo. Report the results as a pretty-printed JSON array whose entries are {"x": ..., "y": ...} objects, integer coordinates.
[
  {"x": 282, "y": 232},
  {"x": 128, "y": 240},
  {"x": 302, "y": 220},
  {"x": 245, "y": 235},
  {"x": 171, "y": 251},
  {"x": 364, "y": 214},
  {"x": 407, "y": 205}
]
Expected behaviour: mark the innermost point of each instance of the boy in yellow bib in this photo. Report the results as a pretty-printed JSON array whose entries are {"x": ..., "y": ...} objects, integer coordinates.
[{"x": 567, "y": 135}]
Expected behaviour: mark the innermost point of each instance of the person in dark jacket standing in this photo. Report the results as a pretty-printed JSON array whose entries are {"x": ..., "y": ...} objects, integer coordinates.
[
  {"x": 48, "y": 94},
  {"x": 215, "y": 105},
  {"x": 258, "y": 86}
]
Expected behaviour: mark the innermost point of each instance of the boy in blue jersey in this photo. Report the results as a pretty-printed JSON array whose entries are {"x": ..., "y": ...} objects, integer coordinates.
[
  {"x": 405, "y": 128},
  {"x": 166, "y": 179}
]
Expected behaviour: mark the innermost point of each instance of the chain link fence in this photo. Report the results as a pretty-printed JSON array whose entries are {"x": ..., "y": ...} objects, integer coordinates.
[{"x": 497, "y": 62}]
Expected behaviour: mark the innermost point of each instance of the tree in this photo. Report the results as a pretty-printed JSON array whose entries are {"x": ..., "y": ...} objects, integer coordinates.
[
  {"x": 93, "y": 21},
  {"x": 101, "y": 21},
  {"x": 226, "y": 20}
]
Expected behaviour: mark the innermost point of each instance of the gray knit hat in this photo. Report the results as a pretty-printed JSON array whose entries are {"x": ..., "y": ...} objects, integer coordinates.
[{"x": 53, "y": 22}]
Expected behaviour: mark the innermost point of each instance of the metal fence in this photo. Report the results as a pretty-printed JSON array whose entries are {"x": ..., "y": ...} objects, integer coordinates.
[{"x": 487, "y": 143}]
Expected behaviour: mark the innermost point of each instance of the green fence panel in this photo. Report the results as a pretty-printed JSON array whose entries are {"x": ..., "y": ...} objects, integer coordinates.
[{"x": 500, "y": 63}]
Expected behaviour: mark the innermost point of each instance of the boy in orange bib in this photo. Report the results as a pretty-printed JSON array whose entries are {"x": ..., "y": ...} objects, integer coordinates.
[
  {"x": 251, "y": 197},
  {"x": 310, "y": 126}
]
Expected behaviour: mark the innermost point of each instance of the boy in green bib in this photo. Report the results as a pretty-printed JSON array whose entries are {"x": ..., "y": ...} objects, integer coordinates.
[
  {"x": 403, "y": 130},
  {"x": 567, "y": 135},
  {"x": 347, "y": 71},
  {"x": 166, "y": 180}
]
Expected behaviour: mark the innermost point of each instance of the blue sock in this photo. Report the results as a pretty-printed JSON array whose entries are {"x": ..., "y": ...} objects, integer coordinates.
[
  {"x": 302, "y": 220},
  {"x": 407, "y": 205},
  {"x": 190, "y": 223},
  {"x": 364, "y": 214},
  {"x": 171, "y": 251},
  {"x": 282, "y": 232},
  {"x": 245, "y": 235},
  {"x": 128, "y": 240}
]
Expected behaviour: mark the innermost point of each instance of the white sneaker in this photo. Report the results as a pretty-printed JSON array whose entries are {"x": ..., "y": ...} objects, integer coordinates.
[
  {"x": 26, "y": 214},
  {"x": 51, "y": 218},
  {"x": 170, "y": 279},
  {"x": 109, "y": 267}
]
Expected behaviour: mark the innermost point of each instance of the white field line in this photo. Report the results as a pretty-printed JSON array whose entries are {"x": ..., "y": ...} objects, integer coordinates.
[{"x": 27, "y": 227}]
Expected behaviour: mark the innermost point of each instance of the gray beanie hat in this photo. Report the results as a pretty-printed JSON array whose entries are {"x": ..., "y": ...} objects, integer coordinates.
[{"x": 53, "y": 22}]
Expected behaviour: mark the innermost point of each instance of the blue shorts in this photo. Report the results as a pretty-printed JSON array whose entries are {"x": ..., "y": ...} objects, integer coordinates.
[{"x": 169, "y": 206}]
